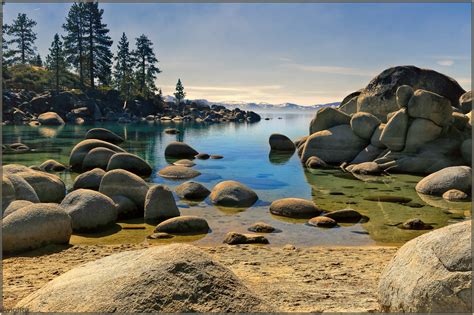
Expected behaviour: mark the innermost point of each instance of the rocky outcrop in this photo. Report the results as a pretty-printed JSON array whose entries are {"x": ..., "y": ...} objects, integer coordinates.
[
  {"x": 147, "y": 281},
  {"x": 52, "y": 166},
  {"x": 430, "y": 274}
]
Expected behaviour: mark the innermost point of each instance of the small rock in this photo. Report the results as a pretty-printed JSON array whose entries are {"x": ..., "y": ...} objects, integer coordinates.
[
  {"x": 233, "y": 194},
  {"x": 183, "y": 225},
  {"x": 294, "y": 208},
  {"x": 216, "y": 157},
  {"x": 178, "y": 172},
  {"x": 415, "y": 224},
  {"x": 233, "y": 238},
  {"x": 185, "y": 162},
  {"x": 104, "y": 135},
  {"x": 344, "y": 216},
  {"x": 159, "y": 236},
  {"x": 281, "y": 142},
  {"x": 52, "y": 166},
  {"x": 261, "y": 227},
  {"x": 455, "y": 195},
  {"x": 202, "y": 156},
  {"x": 315, "y": 162},
  {"x": 192, "y": 191},
  {"x": 323, "y": 221}
]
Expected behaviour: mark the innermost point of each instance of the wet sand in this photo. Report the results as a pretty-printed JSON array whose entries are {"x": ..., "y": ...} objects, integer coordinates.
[{"x": 312, "y": 279}]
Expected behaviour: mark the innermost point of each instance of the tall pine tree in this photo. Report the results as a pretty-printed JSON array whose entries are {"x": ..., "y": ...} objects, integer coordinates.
[
  {"x": 179, "y": 94},
  {"x": 123, "y": 70},
  {"x": 74, "y": 45},
  {"x": 145, "y": 62},
  {"x": 21, "y": 31},
  {"x": 99, "y": 56},
  {"x": 37, "y": 61},
  {"x": 56, "y": 61}
]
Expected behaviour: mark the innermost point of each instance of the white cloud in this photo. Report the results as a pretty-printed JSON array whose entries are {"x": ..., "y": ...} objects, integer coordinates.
[
  {"x": 445, "y": 62},
  {"x": 330, "y": 69}
]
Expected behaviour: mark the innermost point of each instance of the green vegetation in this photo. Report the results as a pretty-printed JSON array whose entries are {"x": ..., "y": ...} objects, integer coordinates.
[
  {"x": 179, "y": 94},
  {"x": 56, "y": 61}
]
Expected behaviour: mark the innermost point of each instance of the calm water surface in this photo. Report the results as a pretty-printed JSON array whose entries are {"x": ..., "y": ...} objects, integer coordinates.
[{"x": 247, "y": 159}]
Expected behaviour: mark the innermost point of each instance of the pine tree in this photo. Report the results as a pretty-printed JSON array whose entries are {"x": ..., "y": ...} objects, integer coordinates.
[
  {"x": 5, "y": 52},
  {"x": 123, "y": 70},
  {"x": 37, "y": 61},
  {"x": 56, "y": 61},
  {"x": 145, "y": 61},
  {"x": 74, "y": 45},
  {"x": 179, "y": 94},
  {"x": 24, "y": 38},
  {"x": 98, "y": 44}
]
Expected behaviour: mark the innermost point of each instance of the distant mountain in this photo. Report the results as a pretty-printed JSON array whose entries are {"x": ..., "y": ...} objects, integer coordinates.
[{"x": 258, "y": 106}]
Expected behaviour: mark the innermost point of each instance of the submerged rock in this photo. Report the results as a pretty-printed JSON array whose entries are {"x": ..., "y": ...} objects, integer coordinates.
[
  {"x": 261, "y": 227},
  {"x": 281, "y": 142},
  {"x": 180, "y": 150},
  {"x": 415, "y": 224},
  {"x": 104, "y": 135},
  {"x": 294, "y": 208},
  {"x": 178, "y": 172},
  {"x": 52, "y": 166},
  {"x": 233, "y": 238},
  {"x": 455, "y": 195},
  {"x": 430, "y": 274},
  {"x": 147, "y": 281},
  {"x": 324, "y": 222},
  {"x": 344, "y": 216}
]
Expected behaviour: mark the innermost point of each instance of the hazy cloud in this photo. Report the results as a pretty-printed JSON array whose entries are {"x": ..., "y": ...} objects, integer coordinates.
[
  {"x": 330, "y": 69},
  {"x": 445, "y": 62}
]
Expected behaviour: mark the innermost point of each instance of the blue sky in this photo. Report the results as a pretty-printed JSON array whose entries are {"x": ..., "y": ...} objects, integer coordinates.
[{"x": 301, "y": 53}]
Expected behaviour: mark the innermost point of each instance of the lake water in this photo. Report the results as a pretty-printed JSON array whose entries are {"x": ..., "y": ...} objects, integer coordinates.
[{"x": 247, "y": 159}]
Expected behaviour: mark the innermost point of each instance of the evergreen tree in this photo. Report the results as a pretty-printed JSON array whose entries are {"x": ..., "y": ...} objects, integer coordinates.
[
  {"x": 145, "y": 62},
  {"x": 74, "y": 45},
  {"x": 123, "y": 70},
  {"x": 98, "y": 44},
  {"x": 37, "y": 61},
  {"x": 5, "y": 52},
  {"x": 24, "y": 38},
  {"x": 56, "y": 60},
  {"x": 179, "y": 94}
]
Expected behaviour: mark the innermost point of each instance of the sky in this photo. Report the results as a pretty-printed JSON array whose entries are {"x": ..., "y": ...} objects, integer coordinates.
[{"x": 309, "y": 53}]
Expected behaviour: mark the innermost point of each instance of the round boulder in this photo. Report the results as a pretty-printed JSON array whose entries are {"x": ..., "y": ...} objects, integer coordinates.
[
  {"x": 50, "y": 119},
  {"x": 180, "y": 150},
  {"x": 23, "y": 190},
  {"x": 129, "y": 162},
  {"x": 34, "y": 226},
  {"x": 403, "y": 95},
  {"x": 48, "y": 187},
  {"x": 160, "y": 203},
  {"x": 455, "y": 195},
  {"x": 233, "y": 194},
  {"x": 52, "y": 166},
  {"x": 8, "y": 192},
  {"x": 294, "y": 208},
  {"x": 89, "y": 180},
  {"x": 261, "y": 227},
  {"x": 147, "y": 281},
  {"x": 184, "y": 162},
  {"x": 104, "y": 135},
  {"x": 89, "y": 209},
  {"x": 281, "y": 142},
  {"x": 122, "y": 182},
  {"x": 322, "y": 222},
  {"x": 81, "y": 149},
  {"x": 454, "y": 177},
  {"x": 183, "y": 225},
  {"x": 394, "y": 134},
  {"x": 192, "y": 191},
  {"x": 420, "y": 132},
  {"x": 326, "y": 118},
  {"x": 178, "y": 172},
  {"x": 97, "y": 158},
  {"x": 430, "y": 274},
  {"x": 16, "y": 205},
  {"x": 364, "y": 124},
  {"x": 429, "y": 105},
  {"x": 344, "y": 216}
]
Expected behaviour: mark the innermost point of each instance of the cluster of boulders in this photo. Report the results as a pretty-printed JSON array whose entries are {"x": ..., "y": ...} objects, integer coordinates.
[
  {"x": 407, "y": 120},
  {"x": 49, "y": 108}
]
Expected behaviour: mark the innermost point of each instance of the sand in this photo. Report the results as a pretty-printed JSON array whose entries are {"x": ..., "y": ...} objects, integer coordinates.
[{"x": 314, "y": 279}]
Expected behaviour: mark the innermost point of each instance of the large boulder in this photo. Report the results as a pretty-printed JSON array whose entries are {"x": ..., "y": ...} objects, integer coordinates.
[
  {"x": 34, "y": 226},
  {"x": 326, "y": 118},
  {"x": 233, "y": 194},
  {"x": 379, "y": 96},
  {"x": 428, "y": 105},
  {"x": 294, "y": 208},
  {"x": 465, "y": 102},
  {"x": 174, "y": 278},
  {"x": 192, "y": 191},
  {"x": 50, "y": 119},
  {"x": 160, "y": 203},
  {"x": 89, "y": 209},
  {"x": 104, "y": 135},
  {"x": 8, "y": 192},
  {"x": 368, "y": 154},
  {"x": 335, "y": 145},
  {"x": 375, "y": 140},
  {"x": 129, "y": 162},
  {"x": 126, "y": 208},
  {"x": 183, "y": 225},
  {"x": 23, "y": 190},
  {"x": 48, "y": 187},
  {"x": 420, "y": 132},
  {"x": 455, "y": 177},
  {"x": 97, "y": 158},
  {"x": 349, "y": 107},
  {"x": 89, "y": 180},
  {"x": 81, "y": 149},
  {"x": 403, "y": 95},
  {"x": 180, "y": 150},
  {"x": 364, "y": 124},
  {"x": 16, "y": 205},
  {"x": 394, "y": 134},
  {"x": 430, "y": 274},
  {"x": 122, "y": 182},
  {"x": 15, "y": 168},
  {"x": 281, "y": 142}
]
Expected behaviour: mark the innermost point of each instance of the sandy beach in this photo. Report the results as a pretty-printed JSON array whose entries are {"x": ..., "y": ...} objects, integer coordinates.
[{"x": 313, "y": 279}]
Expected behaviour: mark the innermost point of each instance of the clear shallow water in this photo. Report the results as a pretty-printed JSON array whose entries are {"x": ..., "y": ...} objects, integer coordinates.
[{"x": 247, "y": 159}]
